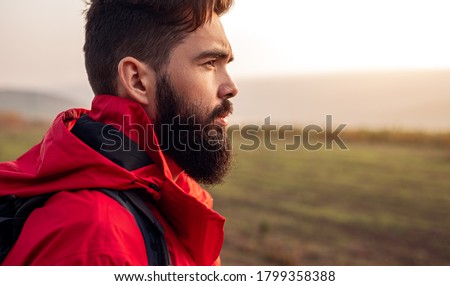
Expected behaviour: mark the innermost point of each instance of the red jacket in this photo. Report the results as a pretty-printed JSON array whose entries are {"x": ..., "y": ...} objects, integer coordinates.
[{"x": 78, "y": 226}]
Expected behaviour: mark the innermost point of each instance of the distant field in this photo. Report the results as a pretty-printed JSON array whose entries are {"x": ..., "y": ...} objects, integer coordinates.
[{"x": 382, "y": 202}]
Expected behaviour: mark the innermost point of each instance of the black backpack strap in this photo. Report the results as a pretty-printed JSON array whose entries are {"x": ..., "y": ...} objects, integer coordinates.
[
  {"x": 151, "y": 229},
  {"x": 13, "y": 214}
]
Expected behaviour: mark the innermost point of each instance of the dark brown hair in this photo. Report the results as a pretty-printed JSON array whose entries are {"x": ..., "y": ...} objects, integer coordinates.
[{"x": 147, "y": 30}]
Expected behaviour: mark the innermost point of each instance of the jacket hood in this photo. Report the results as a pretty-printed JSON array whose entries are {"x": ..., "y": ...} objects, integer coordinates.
[{"x": 61, "y": 161}]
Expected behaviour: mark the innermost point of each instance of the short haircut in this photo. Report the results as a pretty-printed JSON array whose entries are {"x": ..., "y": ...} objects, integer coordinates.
[{"x": 147, "y": 30}]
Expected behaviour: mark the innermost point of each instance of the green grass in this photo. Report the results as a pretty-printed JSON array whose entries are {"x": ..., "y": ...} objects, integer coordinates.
[
  {"x": 16, "y": 140},
  {"x": 375, "y": 204},
  {"x": 379, "y": 203}
]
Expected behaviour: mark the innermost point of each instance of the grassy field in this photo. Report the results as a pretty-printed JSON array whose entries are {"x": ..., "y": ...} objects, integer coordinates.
[
  {"x": 385, "y": 201},
  {"x": 18, "y": 135},
  {"x": 374, "y": 204}
]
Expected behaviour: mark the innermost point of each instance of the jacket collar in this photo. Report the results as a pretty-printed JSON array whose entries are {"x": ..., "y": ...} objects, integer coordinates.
[{"x": 131, "y": 119}]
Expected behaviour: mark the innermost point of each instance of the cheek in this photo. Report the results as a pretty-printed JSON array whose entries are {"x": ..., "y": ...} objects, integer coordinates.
[{"x": 201, "y": 88}]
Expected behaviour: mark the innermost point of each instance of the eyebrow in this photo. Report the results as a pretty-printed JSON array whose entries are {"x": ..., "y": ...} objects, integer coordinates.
[{"x": 217, "y": 54}]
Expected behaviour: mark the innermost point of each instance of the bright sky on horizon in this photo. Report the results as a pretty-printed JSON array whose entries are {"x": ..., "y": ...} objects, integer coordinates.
[{"x": 41, "y": 41}]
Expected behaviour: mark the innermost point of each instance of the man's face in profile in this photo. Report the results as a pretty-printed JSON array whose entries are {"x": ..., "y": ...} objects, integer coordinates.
[{"x": 193, "y": 104}]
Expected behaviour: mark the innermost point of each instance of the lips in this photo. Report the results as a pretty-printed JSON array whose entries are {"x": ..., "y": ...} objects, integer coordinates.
[
  {"x": 222, "y": 112},
  {"x": 222, "y": 121}
]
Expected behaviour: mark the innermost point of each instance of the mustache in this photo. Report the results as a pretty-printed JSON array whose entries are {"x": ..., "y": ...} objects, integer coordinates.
[{"x": 224, "y": 109}]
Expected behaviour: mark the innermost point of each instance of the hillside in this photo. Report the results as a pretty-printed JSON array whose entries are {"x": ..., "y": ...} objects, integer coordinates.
[{"x": 33, "y": 105}]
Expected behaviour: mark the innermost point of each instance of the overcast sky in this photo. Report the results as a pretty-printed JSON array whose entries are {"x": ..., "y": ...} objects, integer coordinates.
[{"x": 41, "y": 41}]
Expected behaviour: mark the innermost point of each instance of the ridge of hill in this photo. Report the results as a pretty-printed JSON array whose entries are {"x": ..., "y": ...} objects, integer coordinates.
[{"x": 33, "y": 105}]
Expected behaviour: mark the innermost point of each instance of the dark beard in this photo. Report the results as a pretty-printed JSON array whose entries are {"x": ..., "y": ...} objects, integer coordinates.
[{"x": 188, "y": 135}]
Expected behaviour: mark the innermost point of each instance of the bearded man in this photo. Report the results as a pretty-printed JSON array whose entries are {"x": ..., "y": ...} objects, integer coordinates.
[{"x": 158, "y": 70}]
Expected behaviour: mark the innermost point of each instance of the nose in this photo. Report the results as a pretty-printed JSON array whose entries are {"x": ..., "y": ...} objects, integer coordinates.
[{"x": 228, "y": 88}]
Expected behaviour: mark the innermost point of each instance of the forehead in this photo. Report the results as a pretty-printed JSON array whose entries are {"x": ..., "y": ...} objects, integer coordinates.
[{"x": 210, "y": 36}]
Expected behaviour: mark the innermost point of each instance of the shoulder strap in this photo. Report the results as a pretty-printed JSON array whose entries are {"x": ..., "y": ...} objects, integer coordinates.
[
  {"x": 151, "y": 229},
  {"x": 13, "y": 214}
]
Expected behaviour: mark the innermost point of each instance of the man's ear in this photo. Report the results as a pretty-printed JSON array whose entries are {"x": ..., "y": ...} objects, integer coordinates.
[{"x": 136, "y": 80}]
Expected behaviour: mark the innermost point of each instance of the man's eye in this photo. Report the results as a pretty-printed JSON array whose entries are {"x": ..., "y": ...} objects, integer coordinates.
[{"x": 211, "y": 63}]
